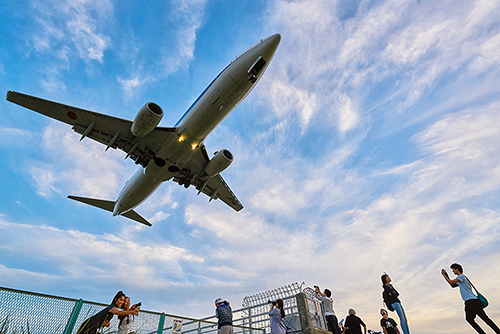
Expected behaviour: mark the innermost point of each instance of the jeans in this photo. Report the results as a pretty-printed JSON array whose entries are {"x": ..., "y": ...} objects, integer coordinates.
[
  {"x": 333, "y": 325},
  {"x": 402, "y": 317},
  {"x": 474, "y": 307}
]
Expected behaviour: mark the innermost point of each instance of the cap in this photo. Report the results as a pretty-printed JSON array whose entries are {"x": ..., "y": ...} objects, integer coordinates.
[{"x": 219, "y": 301}]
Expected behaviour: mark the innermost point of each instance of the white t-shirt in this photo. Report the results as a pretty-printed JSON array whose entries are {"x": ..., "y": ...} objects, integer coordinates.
[
  {"x": 327, "y": 304},
  {"x": 127, "y": 325}
]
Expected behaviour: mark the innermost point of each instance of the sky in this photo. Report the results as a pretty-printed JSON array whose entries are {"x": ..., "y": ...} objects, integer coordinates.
[{"x": 369, "y": 146}]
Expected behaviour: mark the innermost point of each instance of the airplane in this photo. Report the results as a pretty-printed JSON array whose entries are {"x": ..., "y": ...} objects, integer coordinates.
[{"x": 166, "y": 153}]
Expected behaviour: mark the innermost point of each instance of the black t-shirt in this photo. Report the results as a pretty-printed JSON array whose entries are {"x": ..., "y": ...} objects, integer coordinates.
[
  {"x": 354, "y": 323},
  {"x": 392, "y": 293},
  {"x": 95, "y": 322},
  {"x": 389, "y": 324}
]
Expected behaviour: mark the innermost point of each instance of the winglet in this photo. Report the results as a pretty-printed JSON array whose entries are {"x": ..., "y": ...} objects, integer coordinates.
[{"x": 109, "y": 206}]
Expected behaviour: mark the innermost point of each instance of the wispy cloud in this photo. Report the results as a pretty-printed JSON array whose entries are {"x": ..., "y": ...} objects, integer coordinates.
[
  {"x": 393, "y": 50},
  {"x": 75, "y": 167},
  {"x": 78, "y": 254},
  {"x": 173, "y": 53},
  {"x": 75, "y": 26}
]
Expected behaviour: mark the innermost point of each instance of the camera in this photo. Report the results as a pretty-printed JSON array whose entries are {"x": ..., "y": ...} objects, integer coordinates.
[
  {"x": 138, "y": 304},
  {"x": 272, "y": 302}
]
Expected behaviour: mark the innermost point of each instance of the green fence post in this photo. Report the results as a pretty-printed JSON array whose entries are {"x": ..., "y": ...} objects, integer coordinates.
[
  {"x": 161, "y": 323},
  {"x": 72, "y": 318}
]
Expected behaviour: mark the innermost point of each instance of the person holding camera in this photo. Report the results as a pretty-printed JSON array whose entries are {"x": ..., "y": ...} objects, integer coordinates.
[
  {"x": 127, "y": 324},
  {"x": 102, "y": 318},
  {"x": 224, "y": 315},
  {"x": 277, "y": 314},
  {"x": 331, "y": 318},
  {"x": 473, "y": 305}
]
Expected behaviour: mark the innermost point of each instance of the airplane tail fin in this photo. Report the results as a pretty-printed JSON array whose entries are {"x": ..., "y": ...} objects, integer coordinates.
[{"x": 109, "y": 206}]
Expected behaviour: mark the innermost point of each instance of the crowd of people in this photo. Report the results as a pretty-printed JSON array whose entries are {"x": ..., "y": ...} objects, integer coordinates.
[{"x": 474, "y": 306}]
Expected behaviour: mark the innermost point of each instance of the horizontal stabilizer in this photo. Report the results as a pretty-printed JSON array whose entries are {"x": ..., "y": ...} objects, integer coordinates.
[
  {"x": 109, "y": 206},
  {"x": 99, "y": 203},
  {"x": 137, "y": 217}
]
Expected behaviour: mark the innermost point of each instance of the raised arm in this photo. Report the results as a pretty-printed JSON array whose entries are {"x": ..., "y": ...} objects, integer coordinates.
[
  {"x": 119, "y": 313},
  {"x": 452, "y": 282}
]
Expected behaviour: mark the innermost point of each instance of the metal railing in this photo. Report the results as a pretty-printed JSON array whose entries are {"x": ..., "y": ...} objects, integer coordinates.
[
  {"x": 255, "y": 310},
  {"x": 23, "y": 312}
]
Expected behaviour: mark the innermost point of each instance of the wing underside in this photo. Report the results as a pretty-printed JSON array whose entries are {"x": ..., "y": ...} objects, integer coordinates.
[{"x": 111, "y": 131}]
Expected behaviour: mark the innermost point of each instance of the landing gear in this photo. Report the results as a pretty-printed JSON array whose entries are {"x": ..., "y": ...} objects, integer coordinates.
[{"x": 185, "y": 182}]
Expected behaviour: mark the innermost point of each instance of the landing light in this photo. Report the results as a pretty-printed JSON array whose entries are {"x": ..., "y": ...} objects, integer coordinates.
[
  {"x": 193, "y": 146},
  {"x": 181, "y": 138}
]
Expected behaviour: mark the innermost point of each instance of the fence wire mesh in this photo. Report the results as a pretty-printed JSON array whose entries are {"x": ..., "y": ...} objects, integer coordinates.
[
  {"x": 316, "y": 311},
  {"x": 23, "y": 312},
  {"x": 255, "y": 311}
]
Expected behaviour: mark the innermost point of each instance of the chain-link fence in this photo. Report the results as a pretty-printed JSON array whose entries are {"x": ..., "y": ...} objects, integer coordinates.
[{"x": 23, "y": 312}]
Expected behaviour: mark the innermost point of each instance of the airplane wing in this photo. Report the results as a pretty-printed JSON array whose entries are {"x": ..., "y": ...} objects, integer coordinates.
[
  {"x": 111, "y": 131},
  {"x": 215, "y": 187}
]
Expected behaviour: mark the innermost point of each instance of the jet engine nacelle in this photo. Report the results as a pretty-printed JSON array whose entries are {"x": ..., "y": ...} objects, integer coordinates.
[
  {"x": 219, "y": 162},
  {"x": 147, "y": 119}
]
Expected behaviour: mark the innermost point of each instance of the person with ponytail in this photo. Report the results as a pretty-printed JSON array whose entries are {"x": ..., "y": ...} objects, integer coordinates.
[
  {"x": 277, "y": 314},
  {"x": 393, "y": 303}
]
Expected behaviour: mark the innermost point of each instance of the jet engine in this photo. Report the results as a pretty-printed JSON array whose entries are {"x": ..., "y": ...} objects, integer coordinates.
[
  {"x": 147, "y": 119},
  {"x": 219, "y": 162}
]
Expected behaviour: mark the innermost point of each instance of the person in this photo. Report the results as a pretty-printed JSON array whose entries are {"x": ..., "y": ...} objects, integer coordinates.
[
  {"x": 393, "y": 303},
  {"x": 224, "y": 315},
  {"x": 473, "y": 306},
  {"x": 277, "y": 314},
  {"x": 331, "y": 318},
  {"x": 127, "y": 322},
  {"x": 388, "y": 325},
  {"x": 353, "y": 323},
  {"x": 102, "y": 318}
]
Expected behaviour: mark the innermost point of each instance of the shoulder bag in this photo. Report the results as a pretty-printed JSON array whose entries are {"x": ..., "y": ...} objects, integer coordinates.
[{"x": 481, "y": 298}]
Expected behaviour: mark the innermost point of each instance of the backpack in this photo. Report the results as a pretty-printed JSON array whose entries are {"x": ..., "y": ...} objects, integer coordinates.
[{"x": 387, "y": 300}]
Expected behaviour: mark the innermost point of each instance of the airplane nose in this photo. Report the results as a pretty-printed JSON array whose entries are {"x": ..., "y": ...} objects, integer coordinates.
[{"x": 271, "y": 43}]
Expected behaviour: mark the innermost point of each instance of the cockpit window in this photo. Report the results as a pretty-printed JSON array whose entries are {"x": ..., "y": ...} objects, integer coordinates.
[{"x": 254, "y": 70}]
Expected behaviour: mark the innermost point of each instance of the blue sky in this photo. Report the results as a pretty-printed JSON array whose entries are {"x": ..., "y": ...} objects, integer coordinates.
[{"x": 369, "y": 146}]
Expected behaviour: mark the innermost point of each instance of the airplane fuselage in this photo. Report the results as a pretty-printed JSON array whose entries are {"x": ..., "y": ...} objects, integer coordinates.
[{"x": 214, "y": 104}]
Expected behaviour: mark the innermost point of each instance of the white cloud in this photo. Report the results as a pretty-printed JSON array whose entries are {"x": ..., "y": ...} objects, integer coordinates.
[
  {"x": 80, "y": 255},
  {"x": 75, "y": 167},
  {"x": 159, "y": 216},
  {"x": 74, "y": 25},
  {"x": 14, "y": 137},
  {"x": 407, "y": 46}
]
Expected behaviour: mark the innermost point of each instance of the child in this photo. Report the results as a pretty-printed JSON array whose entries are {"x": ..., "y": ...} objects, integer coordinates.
[{"x": 388, "y": 324}]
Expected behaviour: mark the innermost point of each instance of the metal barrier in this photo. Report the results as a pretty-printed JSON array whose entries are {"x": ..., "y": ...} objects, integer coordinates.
[
  {"x": 23, "y": 312},
  {"x": 255, "y": 311}
]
